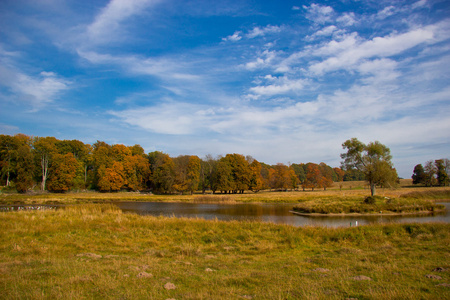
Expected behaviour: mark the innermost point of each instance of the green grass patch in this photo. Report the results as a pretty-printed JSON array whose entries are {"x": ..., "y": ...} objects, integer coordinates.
[{"x": 96, "y": 251}]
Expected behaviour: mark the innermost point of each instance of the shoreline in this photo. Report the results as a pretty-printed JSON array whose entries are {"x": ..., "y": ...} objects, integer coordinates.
[{"x": 364, "y": 215}]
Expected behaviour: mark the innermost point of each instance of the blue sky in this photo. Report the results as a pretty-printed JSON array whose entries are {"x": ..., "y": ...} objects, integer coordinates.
[{"x": 283, "y": 81}]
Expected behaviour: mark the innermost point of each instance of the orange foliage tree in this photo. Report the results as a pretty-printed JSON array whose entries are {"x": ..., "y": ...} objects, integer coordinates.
[{"x": 64, "y": 170}]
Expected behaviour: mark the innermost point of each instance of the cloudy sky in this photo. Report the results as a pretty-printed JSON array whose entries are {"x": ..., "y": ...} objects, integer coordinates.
[{"x": 283, "y": 81}]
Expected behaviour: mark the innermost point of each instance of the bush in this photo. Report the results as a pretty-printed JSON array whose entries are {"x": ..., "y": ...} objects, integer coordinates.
[{"x": 370, "y": 200}]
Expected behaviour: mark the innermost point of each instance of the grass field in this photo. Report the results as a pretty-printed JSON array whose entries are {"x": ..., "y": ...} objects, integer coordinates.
[{"x": 98, "y": 252}]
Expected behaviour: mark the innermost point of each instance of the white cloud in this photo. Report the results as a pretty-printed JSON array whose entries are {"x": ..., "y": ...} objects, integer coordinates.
[
  {"x": 418, "y": 4},
  {"x": 386, "y": 12},
  {"x": 258, "y": 31},
  {"x": 325, "y": 32},
  {"x": 162, "y": 67},
  {"x": 347, "y": 19},
  {"x": 106, "y": 24},
  {"x": 36, "y": 91},
  {"x": 350, "y": 53},
  {"x": 320, "y": 14},
  {"x": 279, "y": 86},
  {"x": 166, "y": 118},
  {"x": 261, "y": 62},
  {"x": 234, "y": 37}
]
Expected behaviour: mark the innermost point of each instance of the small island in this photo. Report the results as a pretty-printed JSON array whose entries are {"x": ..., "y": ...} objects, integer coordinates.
[{"x": 371, "y": 205}]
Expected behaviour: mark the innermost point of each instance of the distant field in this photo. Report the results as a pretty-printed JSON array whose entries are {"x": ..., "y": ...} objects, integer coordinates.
[{"x": 350, "y": 190}]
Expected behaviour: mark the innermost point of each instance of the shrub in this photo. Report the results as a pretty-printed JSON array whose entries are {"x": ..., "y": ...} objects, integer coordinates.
[{"x": 370, "y": 200}]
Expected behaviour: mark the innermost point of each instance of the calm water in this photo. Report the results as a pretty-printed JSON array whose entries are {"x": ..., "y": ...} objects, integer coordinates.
[{"x": 275, "y": 213}]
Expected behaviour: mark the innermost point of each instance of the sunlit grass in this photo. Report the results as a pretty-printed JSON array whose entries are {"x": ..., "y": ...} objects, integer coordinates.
[{"x": 96, "y": 251}]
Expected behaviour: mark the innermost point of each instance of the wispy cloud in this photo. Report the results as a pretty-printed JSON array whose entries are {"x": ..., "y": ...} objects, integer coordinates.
[
  {"x": 377, "y": 47},
  {"x": 106, "y": 24},
  {"x": 279, "y": 86},
  {"x": 34, "y": 90}
]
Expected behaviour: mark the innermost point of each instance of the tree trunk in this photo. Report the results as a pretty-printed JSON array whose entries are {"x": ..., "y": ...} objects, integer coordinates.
[
  {"x": 372, "y": 189},
  {"x": 44, "y": 164}
]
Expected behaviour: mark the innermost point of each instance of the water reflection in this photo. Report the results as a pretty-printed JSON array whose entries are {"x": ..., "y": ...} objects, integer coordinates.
[{"x": 275, "y": 213}]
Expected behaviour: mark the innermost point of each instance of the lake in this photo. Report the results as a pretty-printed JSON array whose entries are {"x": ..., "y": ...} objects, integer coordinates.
[{"x": 276, "y": 213}]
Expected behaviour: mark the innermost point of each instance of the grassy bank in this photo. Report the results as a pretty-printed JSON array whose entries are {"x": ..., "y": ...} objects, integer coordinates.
[
  {"x": 345, "y": 192},
  {"x": 371, "y": 205},
  {"x": 96, "y": 251}
]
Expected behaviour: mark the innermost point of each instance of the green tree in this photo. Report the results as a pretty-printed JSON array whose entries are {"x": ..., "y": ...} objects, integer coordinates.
[
  {"x": 101, "y": 160},
  {"x": 430, "y": 173},
  {"x": 24, "y": 166},
  {"x": 240, "y": 172},
  {"x": 419, "y": 174},
  {"x": 373, "y": 159},
  {"x": 222, "y": 179},
  {"x": 442, "y": 176},
  {"x": 8, "y": 153},
  {"x": 207, "y": 167},
  {"x": 299, "y": 171},
  {"x": 162, "y": 172}
]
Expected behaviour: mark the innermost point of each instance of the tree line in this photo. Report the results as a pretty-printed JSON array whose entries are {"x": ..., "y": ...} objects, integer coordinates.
[
  {"x": 62, "y": 165},
  {"x": 433, "y": 173}
]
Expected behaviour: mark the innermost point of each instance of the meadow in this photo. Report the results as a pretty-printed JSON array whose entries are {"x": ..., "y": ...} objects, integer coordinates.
[{"x": 94, "y": 251}]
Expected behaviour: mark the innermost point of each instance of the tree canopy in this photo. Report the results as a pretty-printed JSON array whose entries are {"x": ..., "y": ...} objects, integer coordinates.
[
  {"x": 64, "y": 165},
  {"x": 373, "y": 159}
]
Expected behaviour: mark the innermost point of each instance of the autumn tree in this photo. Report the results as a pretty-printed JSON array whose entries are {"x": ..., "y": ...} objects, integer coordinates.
[
  {"x": 328, "y": 176},
  {"x": 45, "y": 149},
  {"x": 187, "y": 173},
  {"x": 314, "y": 177},
  {"x": 112, "y": 179},
  {"x": 373, "y": 159},
  {"x": 64, "y": 170},
  {"x": 281, "y": 177},
  {"x": 136, "y": 171},
  {"x": 339, "y": 174},
  {"x": 256, "y": 178}
]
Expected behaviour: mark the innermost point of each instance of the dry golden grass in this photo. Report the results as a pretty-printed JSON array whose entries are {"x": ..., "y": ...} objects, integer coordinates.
[
  {"x": 98, "y": 252},
  {"x": 343, "y": 190}
]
